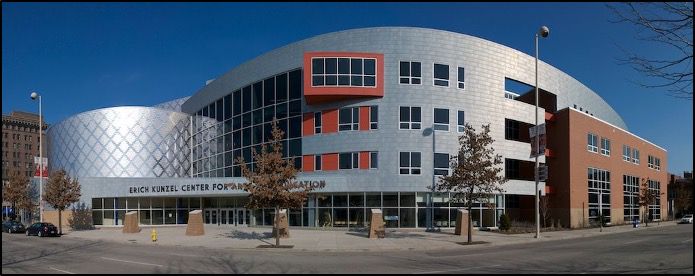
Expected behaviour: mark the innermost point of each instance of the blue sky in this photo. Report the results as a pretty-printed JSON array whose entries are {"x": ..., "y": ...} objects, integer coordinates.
[{"x": 84, "y": 56}]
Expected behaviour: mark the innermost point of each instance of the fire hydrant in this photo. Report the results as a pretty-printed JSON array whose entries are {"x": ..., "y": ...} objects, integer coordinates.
[{"x": 154, "y": 235}]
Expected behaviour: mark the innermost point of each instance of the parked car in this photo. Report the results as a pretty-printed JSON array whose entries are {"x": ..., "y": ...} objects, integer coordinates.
[
  {"x": 12, "y": 226},
  {"x": 687, "y": 219},
  {"x": 42, "y": 229}
]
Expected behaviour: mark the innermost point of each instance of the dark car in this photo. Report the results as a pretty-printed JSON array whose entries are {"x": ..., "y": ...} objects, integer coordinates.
[
  {"x": 42, "y": 229},
  {"x": 12, "y": 226}
]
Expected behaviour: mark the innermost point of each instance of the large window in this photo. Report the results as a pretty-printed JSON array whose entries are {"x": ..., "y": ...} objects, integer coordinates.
[
  {"x": 441, "y": 164},
  {"x": 630, "y": 198},
  {"x": 441, "y": 119},
  {"x": 343, "y": 71},
  {"x": 605, "y": 146},
  {"x": 626, "y": 153},
  {"x": 592, "y": 142},
  {"x": 599, "y": 193},
  {"x": 655, "y": 208},
  {"x": 317, "y": 122},
  {"x": 410, "y": 72},
  {"x": 410, "y": 117},
  {"x": 374, "y": 117},
  {"x": 441, "y": 74},
  {"x": 410, "y": 163},
  {"x": 349, "y": 160},
  {"x": 461, "y": 121},
  {"x": 349, "y": 119},
  {"x": 511, "y": 129},
  {"x": 461, "y": 73}
]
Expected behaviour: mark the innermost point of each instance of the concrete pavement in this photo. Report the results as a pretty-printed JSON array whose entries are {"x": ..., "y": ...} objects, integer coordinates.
[{"x": 229, "y": 237}]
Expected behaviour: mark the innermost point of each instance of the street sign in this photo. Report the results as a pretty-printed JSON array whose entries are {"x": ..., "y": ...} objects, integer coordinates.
[{"x": 537, "y": 132}]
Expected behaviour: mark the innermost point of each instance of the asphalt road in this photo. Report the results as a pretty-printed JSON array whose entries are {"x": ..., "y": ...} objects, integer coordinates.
[{"x": 667, "y": 249}]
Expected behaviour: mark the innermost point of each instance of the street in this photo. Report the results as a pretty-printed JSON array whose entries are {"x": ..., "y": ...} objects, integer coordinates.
[{"x": 667, "y": 249}]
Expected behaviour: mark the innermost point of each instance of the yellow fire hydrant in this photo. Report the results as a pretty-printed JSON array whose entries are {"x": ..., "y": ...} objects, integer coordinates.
[{"x": 154, "y": 235}]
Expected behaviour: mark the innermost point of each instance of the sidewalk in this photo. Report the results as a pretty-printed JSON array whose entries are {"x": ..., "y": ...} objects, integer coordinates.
[{"x": 229, "y": 237}]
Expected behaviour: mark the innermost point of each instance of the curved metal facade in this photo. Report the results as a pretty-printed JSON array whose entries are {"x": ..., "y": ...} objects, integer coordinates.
[
  {"x": 173, "y": 105},
  {"x": 122, "y": 142}
]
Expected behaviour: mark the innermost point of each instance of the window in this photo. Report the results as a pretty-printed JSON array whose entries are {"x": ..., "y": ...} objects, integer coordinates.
[
  {"x": 349, "y": 160},
  {"x": 511, "y": 168},
  {"x": 441, "y": 119},
  {"x": 635, "y": 156},
  {"x": 441, "y": 75},
  {"x": 374, "y": 117},
  {"x": 349, "y": 119},
  {"x": 630, "y": 198},
  {"x": 410, "y": 163},
  {"x": 599, "y": 193},
  {"x": 344, "y": 71},
  {"x": 441, "y": 164},
  {"x": 605, "y": 146},
  {"x": 626, "y": 153},
  {"x": 410, "y": 72},
  {"x": 410, "y": 117},
  {"x": 317, "y": 163},
  {"x": 592, "y": 142},
  {"x": 655, "y": 209},
  {"x": 317, "y": 122},
  {"x": 461, "y": 74},
  {"x": 461, "y": 122},
  {"x": 511, "y": 129},
  {"x": 373, "y": 160},
  {"x": 653, "y": 162}
]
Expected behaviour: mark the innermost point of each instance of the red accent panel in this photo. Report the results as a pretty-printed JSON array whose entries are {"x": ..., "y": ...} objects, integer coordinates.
[
  {"x": 329, "y": 162},
  {"x": 329, "y": 121},
  {"x": 308, "y": 163},
  {"x": 364, "y": 160},
  {"x": 364, "y": 117},
  {"x": 549, "y": 117},
  {"x": 308, "y": 124},
  {"x": 323, "y": 94},
  {"x": 548, "y": 189}
]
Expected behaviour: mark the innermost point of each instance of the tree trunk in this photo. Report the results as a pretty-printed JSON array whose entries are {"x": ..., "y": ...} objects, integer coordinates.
[
  {"x": 470, "y": 225},
  {"x": 60, "y": 222},
  {"x": 277, "y": 226}
]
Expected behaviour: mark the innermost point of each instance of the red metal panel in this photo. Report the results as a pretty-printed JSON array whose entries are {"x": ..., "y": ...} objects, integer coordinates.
[
  {"x": 364, "y": 117},
  {"x": 364, "y": 160},
  {"x": 308, "y": 124},
  {"x": 329, "y": 121},
  {"x": 308, "y": 163},
  {"x": 329, "y": 162}
]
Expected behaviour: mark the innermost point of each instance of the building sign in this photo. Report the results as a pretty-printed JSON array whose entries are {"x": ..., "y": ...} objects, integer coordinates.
[
  {"x": 537, "y": 133},
  {"x": 213, "y": 187},
  {"x": 45, "y": 166}
]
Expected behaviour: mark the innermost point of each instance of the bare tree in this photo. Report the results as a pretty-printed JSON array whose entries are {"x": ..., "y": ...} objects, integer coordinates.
[
  {"x": 60, "y": 192},
  {"x": 18, "y": 192},
  {"x": 544, "y": 208},
  {"x": 475, "y": 176},
  {"x": 271, "y": 180},
  {"x": 666, "y": 23},
  {"x": 647, "y": 197}
]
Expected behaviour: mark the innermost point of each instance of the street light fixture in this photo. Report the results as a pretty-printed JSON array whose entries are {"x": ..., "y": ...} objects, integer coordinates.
[
  {"x": 35, "y": 95},
  {"x": 544, "y": 32}
]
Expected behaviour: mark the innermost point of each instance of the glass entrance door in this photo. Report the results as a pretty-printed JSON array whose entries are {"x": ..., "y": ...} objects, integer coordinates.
[
  {"x": 211, "y": 216},
  {"x": 241, "y": 217}
]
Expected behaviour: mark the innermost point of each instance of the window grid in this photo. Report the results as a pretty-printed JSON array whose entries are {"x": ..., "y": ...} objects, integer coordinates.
[
  {"x": 409, "y": 163},
  {"x": 441, "y": 75},
  {"x": 317, "y": 162},
  {"x": 635, "y": 156},
  {"x": 441, "y": 119},
  {"x": 374, "y": 117},
  {"x": 605, "y": 146},
  {"x": 461, "y": 121},
  {"x": 461, "y": 75},
  {"x": 410, "y": 72},
  {"x": 441, "y": 164},
  {"x": 343, "y": 71},
  {"x": 410, "y": 117},
  {"x": 599, "y": 193},
  {"x": 630, "y": 198},
  {"x": 317, "y": 122},
  {"x": 349, "y": 119},
  {"x": 626, "y": 153},
  {"x": 348, "y": 160},
  {"x": 655, "y": 209},
  {"x": 373, "y": 160},
  {"x": 592, "y": 142}
]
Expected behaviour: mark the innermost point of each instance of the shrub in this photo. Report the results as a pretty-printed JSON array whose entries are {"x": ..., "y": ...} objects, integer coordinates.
[
  {"x": 505, "y": 223},
  {"x": 81, "y": 217}
]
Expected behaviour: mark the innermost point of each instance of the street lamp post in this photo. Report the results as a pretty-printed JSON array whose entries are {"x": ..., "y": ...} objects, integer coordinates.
[
  {"x": 544, "y": 32},
  {"x": 35, "y": 95},
  {"x": 430, "y": 220}
]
